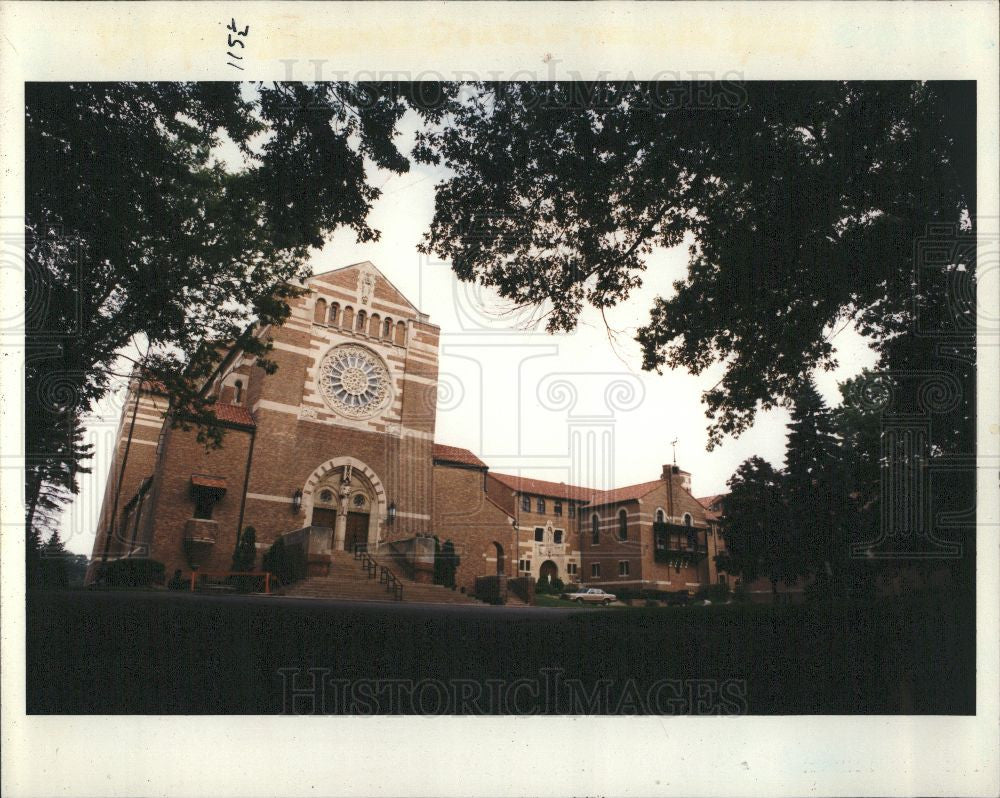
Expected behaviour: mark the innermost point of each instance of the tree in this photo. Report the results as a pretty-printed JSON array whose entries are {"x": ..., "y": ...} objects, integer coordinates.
[
  {"x": 245, "y": 552},
  {"x": 815, "y": 490},
  {"x": 801, "y": 203},
  {"x": 755, "y": 525},
  {"x": 143, "y": 246},
  {"x": 53, "y": 563}
]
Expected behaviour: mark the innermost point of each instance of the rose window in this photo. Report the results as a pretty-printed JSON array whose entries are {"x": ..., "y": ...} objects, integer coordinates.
[{"x": 354, "y": 381}]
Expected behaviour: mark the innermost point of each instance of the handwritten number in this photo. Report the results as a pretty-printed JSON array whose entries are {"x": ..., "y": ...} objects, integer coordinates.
[
  {"x": 232, "y": 26},
  {"x": 233, "y": 42},
  {"x": 236, "y": 65}
]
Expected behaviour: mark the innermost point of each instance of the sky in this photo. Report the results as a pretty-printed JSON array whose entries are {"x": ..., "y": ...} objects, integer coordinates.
[{"x": 572, "y": 407}]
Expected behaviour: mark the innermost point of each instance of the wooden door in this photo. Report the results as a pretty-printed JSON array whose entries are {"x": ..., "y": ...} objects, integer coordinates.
[
  {"x": 325, "y": 517},
  {"x": 357, "y": 530}
]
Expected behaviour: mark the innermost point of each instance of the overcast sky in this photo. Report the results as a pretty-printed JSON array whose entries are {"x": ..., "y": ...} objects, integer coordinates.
[{"x": 516, "y": 395}]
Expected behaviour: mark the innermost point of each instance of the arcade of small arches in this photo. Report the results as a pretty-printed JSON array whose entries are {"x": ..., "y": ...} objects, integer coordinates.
[{"x": 372, "y": 326}]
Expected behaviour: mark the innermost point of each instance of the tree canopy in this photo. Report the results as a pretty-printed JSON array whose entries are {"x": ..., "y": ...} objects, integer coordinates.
[
  {"x": 800, "y": 202},
  {"x": 138, "y": 238}
]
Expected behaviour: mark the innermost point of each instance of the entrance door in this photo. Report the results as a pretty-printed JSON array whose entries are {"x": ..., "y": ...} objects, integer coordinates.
[
  {"x": 357, "y": 530},
  {"x": 325, "y": 517},
  {"x": 548, "y": 571}
]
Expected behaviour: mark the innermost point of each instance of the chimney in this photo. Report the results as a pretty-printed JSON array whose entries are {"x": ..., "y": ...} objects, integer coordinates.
[{"x": 679, "y": 477}]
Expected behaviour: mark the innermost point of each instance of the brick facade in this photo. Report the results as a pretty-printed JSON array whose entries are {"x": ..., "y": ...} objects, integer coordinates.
[{"x": 337, "y": 446}]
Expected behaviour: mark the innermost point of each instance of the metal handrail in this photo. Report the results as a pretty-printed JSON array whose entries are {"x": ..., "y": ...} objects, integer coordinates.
[{"x": 375, "y": 569}]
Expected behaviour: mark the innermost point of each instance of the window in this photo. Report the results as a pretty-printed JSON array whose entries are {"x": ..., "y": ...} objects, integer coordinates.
[
  {"x": 362, "y": 318},
  {"x": 334, "y": 314},
  {"x": 375, "y": 325},
  {"x": 595, "y": 533},
  {"x": 387, "y": 328},
  {"x": 723, "y": 580},
  {"x": 524, "y": 566},
  {"x": 539, "y": 535},
  {"x": 622, "y": 525},
  {"x": 623, "y": 568},
  {"x": 557, "y": 536},
  {"x": 204, "y": 501},
  {"x": 595, "y": 569},
  {"x": 541, "y": 505},
  {"x": 319, "y": 312},
  {"x": 238, "y": 392},
  {"x": 687, "y": 519},
  {"x": 347, "y": 320},
  {"x": 571, "y": 568},
  {"x": 400, "y": 333},
  {"x": 557, "y": 508},
  {"x": 526, "y": 503},
  {"x": 659, "y": 516}
]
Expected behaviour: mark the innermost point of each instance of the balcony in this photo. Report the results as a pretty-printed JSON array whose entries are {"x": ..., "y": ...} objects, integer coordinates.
[{"x": 677, "y": 545}]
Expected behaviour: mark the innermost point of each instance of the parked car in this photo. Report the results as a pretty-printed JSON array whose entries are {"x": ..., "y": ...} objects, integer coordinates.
[{"x": 591, "y": 595}]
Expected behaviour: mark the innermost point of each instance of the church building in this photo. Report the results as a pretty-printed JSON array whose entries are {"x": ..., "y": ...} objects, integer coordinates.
[{"x": 338, "y": 445}]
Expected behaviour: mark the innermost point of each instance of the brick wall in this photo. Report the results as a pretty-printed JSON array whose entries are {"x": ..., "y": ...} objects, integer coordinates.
[{"x": 465, "y": 515}]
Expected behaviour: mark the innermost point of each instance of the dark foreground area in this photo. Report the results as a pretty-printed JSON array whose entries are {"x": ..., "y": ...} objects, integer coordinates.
[{"x": 156, "y": 652}]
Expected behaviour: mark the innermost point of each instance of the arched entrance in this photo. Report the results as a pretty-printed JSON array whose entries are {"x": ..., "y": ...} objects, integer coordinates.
[
  {"x": 548, "y": 571},
  {"x": 345, "y": 496}
]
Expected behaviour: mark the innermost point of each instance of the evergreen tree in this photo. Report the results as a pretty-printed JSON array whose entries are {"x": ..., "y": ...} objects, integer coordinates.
[
  {"x": 245, "y": 552},
  {"x": 755, "y": 525},
  {"x": 815, "y": 490},
  {"x": 53, "y": 561}
]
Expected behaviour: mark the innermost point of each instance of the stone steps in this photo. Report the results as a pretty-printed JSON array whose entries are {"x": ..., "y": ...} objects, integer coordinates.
[{"x": 347, "y": 580}]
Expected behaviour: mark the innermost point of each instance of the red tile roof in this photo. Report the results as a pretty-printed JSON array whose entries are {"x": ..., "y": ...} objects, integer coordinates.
[
  {"x": 542, "y": 487},
  {"x": 454, "y": 454},
  {"x": 707, "y": 502},
  {"x": 628, "y": 493},
  {"x": 233, "y": 414}
]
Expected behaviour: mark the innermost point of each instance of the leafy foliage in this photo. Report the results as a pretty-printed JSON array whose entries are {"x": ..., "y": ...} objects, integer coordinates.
[
  {"x": 139, "y": 238},
  {"x": 245, "y": 553},
  {"x": 801, "y": 203}
]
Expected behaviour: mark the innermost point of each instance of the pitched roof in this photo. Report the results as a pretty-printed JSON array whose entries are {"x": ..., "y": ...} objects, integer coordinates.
[
  {"x": 455, "y": 454},
  {"x": 707, "y": 502},
  {"x": 543, "y": 487},
  {"x": 233, "y": 414},
  {"x": 628, "y": 493}
]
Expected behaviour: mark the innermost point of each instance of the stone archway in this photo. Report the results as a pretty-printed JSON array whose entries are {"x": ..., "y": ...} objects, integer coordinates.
[
  {"x": 548, "y": 571},
  {"x": 364, "y": 483}
]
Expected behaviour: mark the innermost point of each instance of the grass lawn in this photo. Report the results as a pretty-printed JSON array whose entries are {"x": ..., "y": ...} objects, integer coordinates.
[
  {"x": 542, "y": 600},
  {"x": 156, "y": 652}
]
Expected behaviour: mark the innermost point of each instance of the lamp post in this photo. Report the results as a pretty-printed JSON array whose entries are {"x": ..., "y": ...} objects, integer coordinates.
[
  {"x": 392, "y": 512},
  {"x": 297, "y": 502}
]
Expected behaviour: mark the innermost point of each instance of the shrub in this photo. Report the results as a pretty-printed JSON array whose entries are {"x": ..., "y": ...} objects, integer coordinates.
[
  {"x": 245, "y": 554},
  {"x": 288, "y": 563},
  {"x": 133, "y": 572},
  {"x": 717, "y": 594}
]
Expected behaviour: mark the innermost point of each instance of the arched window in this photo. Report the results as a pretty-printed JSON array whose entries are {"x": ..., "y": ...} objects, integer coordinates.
[
  {"x": 362, "y": 318},
  {"x": 375, "y": 325},
  {"x": 659, "y": 516},
  {"x": 319, "y": 312},
  {"x": 347, "y": 321},
  {"x": 622, "y": 525},
  {"x": 401, "y": 334},
  {"x": 387, "y": 329},
  {"x": 334, "y": 314},
  {"x": 238, "y": 392},
  {"x": 595, "y": 529},
  {"x": 687, "y": 519}
]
